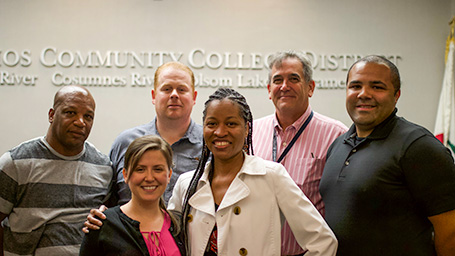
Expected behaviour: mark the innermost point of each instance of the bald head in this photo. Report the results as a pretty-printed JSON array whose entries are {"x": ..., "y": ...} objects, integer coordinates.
[
  {"x": 71, "y": 119},
  {"x": 71, "y": 91}
]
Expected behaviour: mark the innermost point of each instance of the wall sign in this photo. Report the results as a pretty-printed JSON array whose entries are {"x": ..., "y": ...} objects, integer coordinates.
[{"x": 114, "y": 68}]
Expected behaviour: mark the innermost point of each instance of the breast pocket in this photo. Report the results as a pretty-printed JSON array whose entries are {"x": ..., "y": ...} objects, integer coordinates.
[{"x": 307, "y": 173}]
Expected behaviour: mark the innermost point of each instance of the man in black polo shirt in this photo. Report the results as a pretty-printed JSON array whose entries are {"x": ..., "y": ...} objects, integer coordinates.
[{"x": 387, "y": 183}]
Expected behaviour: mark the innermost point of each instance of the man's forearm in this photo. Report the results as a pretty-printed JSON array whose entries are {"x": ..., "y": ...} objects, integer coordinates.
[
  {"x": 445, "y": 247},
  {"x": 444, "y": 233}
]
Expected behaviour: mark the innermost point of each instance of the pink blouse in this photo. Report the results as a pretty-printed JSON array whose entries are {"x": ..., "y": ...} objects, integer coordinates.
[{"x": 161, "y": 243}]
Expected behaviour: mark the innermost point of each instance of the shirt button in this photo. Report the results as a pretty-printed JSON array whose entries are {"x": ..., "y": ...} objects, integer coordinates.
[
  {"x": 346, "y": 163},
  {"x": 190, "y": 218},
  {"x": 284, "y": 144},
  {"x": 243, "y": 251},
  {"x": 354, "y": 150},
  {"x": 237, "y": 210}
]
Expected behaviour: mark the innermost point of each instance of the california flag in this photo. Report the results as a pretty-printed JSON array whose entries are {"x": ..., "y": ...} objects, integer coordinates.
[{"x": 445, "y": 120}]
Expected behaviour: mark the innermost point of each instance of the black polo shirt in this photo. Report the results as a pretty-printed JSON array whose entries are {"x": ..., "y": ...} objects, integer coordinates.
[{"x": 379, "y": 192}]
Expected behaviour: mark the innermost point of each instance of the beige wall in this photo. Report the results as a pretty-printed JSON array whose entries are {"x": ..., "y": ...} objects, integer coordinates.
[{"x": 415, "y": 30}]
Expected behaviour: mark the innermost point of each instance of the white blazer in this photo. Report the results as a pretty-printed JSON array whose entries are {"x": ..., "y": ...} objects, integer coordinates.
[{"x": 249, "y": 218}]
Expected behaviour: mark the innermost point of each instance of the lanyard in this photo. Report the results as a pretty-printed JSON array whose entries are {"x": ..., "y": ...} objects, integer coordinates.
[{"x": 296, "y": 136}]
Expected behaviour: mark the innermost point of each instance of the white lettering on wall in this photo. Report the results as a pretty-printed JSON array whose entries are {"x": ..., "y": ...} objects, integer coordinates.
[
  {"x": 213, "y": 82},
  {"x": 7, "y": 78},
  {"x": 198, "y": 59},
  {"x": 59, "y": 79},
  {"x": 12, "y": 58},
  {"x": 141, "y": 80},
  {"x": 52, "y": 57}
]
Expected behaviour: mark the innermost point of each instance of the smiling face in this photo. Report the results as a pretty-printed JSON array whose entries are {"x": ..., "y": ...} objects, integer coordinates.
[
  {"x": 149, "y": 178},
  {"x": 370, "y": 96},
  {"x": 174, "y": 95},
  {"x": 71, "y": 120},
  {"x": 288, "y": 89},
  {"x": 225, "y": 130}
]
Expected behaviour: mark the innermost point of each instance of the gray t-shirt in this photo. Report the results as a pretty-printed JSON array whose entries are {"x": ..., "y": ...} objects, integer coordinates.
[{"x": 47, "y": 197}]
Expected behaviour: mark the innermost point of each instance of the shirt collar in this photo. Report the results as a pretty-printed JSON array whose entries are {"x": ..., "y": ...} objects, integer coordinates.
[
  {"x": 53, "y": 151},
  {"x": 191, "y": 133},
  {"x": 296, "y": 125},
  {"x": 251, "y": 166},
  {"x": 381, "y": 131}
]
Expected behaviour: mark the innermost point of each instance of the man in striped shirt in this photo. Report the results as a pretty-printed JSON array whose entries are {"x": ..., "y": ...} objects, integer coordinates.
[
  {"x": 49, "y": 184},
  {"x": 290, "y": 87}
]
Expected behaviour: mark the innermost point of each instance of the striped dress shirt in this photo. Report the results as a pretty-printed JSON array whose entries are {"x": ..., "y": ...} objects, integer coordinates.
[{"x": 304, "y": 162}]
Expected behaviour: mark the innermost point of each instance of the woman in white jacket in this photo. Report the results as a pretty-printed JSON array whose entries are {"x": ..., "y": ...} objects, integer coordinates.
[{"x": 235, "y": 204}]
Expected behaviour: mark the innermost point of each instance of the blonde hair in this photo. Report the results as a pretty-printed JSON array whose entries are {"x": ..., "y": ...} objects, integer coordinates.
[{"x": 176, "y": 65}]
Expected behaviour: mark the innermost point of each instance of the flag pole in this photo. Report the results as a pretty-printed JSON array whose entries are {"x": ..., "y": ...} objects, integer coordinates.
[{"x": 450, "y": 37}]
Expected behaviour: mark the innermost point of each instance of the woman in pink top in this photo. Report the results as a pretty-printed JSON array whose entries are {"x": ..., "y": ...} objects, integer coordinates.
[{"x": 142, "y": 226}]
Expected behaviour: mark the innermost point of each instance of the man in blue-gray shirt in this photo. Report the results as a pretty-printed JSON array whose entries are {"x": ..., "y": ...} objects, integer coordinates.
[{"x": 174, "y": 97}]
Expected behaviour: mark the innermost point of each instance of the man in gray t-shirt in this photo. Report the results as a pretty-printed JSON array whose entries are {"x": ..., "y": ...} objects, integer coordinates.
[{"x": 48, "y": 184}]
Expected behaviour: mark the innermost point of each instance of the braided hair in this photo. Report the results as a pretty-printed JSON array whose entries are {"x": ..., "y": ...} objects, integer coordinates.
[{"x": 245, "y": 112}]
